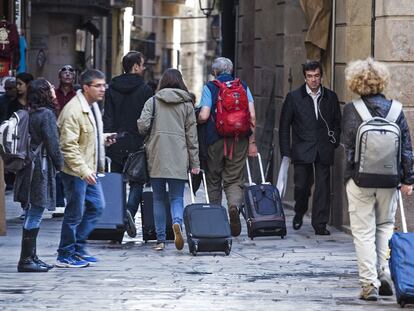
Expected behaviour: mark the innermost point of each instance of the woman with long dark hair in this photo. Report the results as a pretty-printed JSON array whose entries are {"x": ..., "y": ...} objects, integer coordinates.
[
  {"x": 35, "y": 184},
  {"x": 22, "y": 83},
  {"x": 172, "y": 148}
]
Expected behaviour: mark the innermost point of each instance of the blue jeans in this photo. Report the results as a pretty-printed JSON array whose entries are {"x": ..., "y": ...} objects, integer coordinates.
[
  {"x": 33, "y": 217},
  {"x": 134, "y": 198},
  {"x": 176, "y": 199},
  {"x": 85, "y": 204}
]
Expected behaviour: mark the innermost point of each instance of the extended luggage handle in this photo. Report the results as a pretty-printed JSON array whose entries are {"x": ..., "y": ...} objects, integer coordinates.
[
  {"x": 191, "y": 186},
  {"x": 403, "y": 219},
  {"x": 109, "y": 166},
  {"x": 249, "y": 175}
]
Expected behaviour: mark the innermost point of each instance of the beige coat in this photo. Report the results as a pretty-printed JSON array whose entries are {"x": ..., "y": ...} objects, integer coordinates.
[
  {"x": 78, "y": 139},
  {"x": 172, "y": 147}
]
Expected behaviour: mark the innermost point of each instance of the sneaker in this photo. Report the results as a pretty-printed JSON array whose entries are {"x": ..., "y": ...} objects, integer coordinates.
[
  {"x": 386, "y": 284},
  {"x": 130, "y": 225},
  {"x": 159, "y": 246},
  {"x": 369, "y": 292},
  {"x": 235, "y": 225},
  {"x": 71, "y": 262},
  {"x": 87, "y": 257},
  {"x": 23, "y": 215},
  {"x": 178, "y": 237}
]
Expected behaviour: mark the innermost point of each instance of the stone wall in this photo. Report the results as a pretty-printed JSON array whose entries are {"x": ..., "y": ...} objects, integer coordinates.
[
  {"x": 269, "y": 56},
  {"x": 394, "y": 44},
  {"x": 352, "y": 41}
]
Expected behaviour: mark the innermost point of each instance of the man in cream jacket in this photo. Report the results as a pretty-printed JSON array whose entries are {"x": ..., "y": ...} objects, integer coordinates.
[{"x": 82, "y": 143}]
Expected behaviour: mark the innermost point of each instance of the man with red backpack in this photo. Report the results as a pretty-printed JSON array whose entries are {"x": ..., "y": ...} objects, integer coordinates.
[{"x": 227, "y": 109}]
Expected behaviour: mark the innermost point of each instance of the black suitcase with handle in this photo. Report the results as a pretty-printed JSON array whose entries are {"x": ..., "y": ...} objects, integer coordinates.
[
  {"x": 263, "y": 208},
  {"x": 147, "y": 217},
  {"x": 112, "y": 224},
  {"x": 206, "y": 225}
]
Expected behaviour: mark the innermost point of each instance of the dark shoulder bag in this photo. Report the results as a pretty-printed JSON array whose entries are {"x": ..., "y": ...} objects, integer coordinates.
[{"x": 136, "y": 167}]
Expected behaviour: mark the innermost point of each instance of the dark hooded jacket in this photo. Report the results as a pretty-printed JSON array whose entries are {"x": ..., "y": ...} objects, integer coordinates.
[
  {"x": 124, "y": 101},
  {"x": 378, "y": 106}
]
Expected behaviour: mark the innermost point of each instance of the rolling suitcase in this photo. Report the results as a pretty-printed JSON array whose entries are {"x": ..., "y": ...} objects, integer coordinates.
[
  {"x": 206, "y": 225},
  {"x": 111, "y": 225},
  {"x": 263, "y": 208},
  {"x": 147, "y": 217},
  {"x": 401, "y": 261}
]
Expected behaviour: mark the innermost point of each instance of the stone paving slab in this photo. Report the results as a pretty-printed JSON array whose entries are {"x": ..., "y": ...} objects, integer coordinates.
[{"x": 301, "y": 271}]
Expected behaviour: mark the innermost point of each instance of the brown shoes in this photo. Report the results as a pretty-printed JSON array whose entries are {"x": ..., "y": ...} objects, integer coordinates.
[
  {"x": 178, "y": 237},
  {"x": 235, "y": 225}
]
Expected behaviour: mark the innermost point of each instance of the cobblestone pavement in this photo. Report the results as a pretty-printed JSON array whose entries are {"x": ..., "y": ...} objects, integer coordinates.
[{"x": 300, "y": 272}]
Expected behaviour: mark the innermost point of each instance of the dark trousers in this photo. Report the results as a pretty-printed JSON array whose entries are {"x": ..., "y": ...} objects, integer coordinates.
[
  {"x": 304, "y": 177},
  {"x": 135, "y": 190}
]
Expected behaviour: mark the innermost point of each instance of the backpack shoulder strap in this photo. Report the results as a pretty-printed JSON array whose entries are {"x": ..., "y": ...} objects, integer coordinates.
[
  {"x": 395, "y": 111},
  {"x": 362, "y": 109},
  {"x": 219, "y": 84}
]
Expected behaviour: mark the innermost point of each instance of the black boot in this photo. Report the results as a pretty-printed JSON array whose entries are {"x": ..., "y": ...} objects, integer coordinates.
[
  {"x": 26, "y": 262},
  {"x": 37, "y": 259}
]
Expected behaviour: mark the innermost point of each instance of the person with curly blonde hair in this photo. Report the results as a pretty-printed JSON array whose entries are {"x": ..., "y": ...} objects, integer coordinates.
[{"x": 372, "y": 210}]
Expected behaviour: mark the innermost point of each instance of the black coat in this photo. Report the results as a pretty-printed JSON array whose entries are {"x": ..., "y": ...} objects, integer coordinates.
[
  {"x": 378, "y": 106},
  {"x": 124, "y": 101},
  {"x": 309, "y": 135},
  {"x": 41, "y": 190}
]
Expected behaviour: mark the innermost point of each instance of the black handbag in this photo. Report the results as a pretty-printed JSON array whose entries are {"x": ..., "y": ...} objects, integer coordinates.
[{"x": 136, "y": 167}]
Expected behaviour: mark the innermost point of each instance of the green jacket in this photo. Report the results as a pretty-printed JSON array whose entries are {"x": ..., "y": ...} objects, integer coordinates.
[
  {"x": 172, "y": 146},
  {"x": 78, "y": 139}
]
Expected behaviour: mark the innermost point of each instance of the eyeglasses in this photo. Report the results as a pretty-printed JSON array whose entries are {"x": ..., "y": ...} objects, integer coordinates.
[
  {"x": 67, "y": 68},
  {"x": 98, "y": 86}
]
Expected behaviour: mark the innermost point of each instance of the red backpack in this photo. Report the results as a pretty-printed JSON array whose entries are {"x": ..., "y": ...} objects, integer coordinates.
[{"x": 232, "y": 111}]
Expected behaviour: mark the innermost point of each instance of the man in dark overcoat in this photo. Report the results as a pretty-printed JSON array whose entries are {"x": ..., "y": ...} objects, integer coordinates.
[{"x": 309, "y": 132}]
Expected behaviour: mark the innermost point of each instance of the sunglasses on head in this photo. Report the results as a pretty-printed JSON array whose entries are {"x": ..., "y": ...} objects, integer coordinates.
[{"x": 67, "y": 68}]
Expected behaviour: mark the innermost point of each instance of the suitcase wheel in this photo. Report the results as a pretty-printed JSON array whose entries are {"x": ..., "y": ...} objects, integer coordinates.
[
  {"x": 228, "y": 248},
  {"x": 194, "y": 249},
  {"x": 282, "y": 237},
  {"x": 402, "y": 303}
]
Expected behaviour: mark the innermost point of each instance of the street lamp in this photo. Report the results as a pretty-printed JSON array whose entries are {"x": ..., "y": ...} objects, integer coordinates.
[{"x": 207, "y": 6}]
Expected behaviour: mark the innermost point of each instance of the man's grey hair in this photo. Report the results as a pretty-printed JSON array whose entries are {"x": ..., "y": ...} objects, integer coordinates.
[
  {"x": 89, "y": 75},
  {"x": 222, "y": 65}
]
